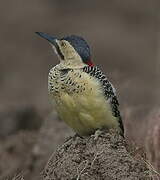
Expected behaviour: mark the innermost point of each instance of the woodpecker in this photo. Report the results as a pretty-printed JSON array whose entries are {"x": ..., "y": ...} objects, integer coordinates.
[{"x": 82, "y": 95}]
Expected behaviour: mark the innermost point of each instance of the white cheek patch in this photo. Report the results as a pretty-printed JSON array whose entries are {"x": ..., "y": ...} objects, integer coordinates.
[{"x": 55, "y": 50}]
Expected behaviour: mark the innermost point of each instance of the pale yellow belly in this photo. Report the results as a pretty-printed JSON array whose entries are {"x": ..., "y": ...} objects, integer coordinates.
[{"x": 85, "y": 113}]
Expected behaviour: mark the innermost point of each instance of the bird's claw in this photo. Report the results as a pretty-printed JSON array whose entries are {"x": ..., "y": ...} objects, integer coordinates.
[{"x": 97, "y": 134}]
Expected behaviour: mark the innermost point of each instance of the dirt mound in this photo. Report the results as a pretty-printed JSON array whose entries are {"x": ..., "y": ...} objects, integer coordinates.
[
  {"x": 87, "y": 158},
  {"x": 25, "y": 153}
]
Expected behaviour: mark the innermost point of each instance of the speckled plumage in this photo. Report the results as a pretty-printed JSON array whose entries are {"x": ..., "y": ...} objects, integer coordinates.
[
  {"x": 74, "y": 83},
  {"x": 82, "y": 95},
  {"x": 109, "y": 92}
]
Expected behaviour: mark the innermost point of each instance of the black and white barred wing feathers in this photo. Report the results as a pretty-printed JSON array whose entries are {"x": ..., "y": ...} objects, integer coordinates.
[{"x": 109, "y": 91}]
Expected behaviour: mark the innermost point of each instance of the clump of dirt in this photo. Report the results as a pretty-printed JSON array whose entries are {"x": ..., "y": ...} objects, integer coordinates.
[
  {"x": 50, "y": 136},
  {"x": 88, "y": 158},
  {"x": 18, "y": 177}
]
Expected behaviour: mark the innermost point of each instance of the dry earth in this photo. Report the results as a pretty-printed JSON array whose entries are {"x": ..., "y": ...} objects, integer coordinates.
[{"x": 37, "y": 154}]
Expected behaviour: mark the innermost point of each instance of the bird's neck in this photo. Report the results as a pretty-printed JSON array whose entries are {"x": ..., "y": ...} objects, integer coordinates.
[{"x": 71, "y": 64}]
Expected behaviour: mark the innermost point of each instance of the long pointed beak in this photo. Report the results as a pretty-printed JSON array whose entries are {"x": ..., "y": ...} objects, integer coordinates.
[{"x": 49, "y": 38}]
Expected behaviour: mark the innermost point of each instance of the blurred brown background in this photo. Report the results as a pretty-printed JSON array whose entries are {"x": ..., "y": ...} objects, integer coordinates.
[{"x": 124, "y": 38}]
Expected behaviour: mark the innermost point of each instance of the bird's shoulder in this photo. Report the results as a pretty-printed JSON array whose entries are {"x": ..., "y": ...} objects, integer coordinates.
[
  {"x": 98, "y": 74},
  {"x": 108, "y": 89}
]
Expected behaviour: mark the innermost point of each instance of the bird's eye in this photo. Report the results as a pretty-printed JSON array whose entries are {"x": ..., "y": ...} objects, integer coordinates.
[{"x": 63, "y": 44}]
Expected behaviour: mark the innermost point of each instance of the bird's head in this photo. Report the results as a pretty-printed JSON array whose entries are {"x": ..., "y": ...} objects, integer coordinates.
[{"x": 71, "y": 50}]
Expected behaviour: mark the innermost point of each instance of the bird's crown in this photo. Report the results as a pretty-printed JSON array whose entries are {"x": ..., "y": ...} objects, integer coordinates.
[
  {"x": 70, "y": 47},
  {"x": 80, "y": 45}
]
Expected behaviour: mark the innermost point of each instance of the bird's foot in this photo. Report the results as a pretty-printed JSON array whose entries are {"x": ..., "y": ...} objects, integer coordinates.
[
  {"x": 73, "y": 137},
  {"x": 77, "y": 135},
  {"x": 97, "y": 134}
]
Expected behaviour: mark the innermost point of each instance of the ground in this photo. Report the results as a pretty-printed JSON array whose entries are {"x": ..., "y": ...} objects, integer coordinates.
[{"x": 54, "y": 152}]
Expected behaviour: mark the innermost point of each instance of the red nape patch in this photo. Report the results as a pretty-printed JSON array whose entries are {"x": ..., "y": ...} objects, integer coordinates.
[{"x": 89, "y": 63}]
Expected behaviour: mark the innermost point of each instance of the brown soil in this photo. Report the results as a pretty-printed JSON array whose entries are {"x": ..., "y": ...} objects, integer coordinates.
[
  {"x": 103, "y": 159},
  {"x": 27, "y": 153}
]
